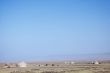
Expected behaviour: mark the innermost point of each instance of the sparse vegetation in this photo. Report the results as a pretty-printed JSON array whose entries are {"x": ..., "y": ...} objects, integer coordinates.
[
  {"x": 53, "y": 72},
  {"x": 34, "y": 69},
  {"x": 53, "y": 64},
  {"x": 49, "y": 72},
  {"x": 59, "y": 68},
  {"x": 46, "y": 64},
  {"x": 22, "y": 72}
]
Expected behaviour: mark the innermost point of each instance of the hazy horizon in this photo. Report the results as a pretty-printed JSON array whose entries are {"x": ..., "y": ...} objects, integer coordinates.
[{"x": 54, "y": 29}]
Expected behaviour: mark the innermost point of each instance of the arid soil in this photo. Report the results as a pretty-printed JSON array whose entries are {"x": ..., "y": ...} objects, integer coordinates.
[{"x": 74, "y": 68}]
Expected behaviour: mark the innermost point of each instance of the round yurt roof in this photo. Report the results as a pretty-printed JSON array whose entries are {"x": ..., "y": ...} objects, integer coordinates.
[{"x": 22, "y": 64}]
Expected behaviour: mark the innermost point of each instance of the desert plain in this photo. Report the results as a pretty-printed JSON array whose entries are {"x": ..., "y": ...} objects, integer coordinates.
[{"x": 57, "y": 67}]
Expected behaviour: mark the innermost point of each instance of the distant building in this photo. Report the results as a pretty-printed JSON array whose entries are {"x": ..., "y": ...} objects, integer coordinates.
[{"x": 22, "y": 64}]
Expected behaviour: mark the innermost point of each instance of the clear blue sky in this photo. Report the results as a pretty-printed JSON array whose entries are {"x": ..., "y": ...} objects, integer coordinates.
[{"x": 53, "y": 29}]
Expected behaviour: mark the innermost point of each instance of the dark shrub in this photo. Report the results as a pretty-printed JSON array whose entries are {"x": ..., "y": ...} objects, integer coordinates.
[
  {"x": 46, "y": 64},
  {"x": 53, "y": 64}
]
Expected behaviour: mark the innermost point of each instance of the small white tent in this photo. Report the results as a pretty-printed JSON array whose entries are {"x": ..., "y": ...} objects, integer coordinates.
[{"x": 22, "y": 64}]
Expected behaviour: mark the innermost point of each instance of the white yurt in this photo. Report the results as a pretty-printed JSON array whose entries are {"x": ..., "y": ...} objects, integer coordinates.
[
  {"x": 22, "y": 64},
  {"x": 67, "y": 62},
  {"x": 96, "y": 62},
  {"x": 72, "y": 62}
]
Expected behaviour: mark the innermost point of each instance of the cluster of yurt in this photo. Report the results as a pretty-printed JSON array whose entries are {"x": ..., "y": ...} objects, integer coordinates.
[
  {"x": 68, "y": 62},
  {"x": 95, "y": 62}
]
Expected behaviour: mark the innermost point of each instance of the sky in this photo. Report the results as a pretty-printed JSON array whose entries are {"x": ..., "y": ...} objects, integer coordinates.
[{"x": 54, "y": 29}]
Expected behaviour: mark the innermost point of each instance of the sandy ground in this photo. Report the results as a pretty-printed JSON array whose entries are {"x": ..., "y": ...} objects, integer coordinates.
[{"x": 75, "y": 68}]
